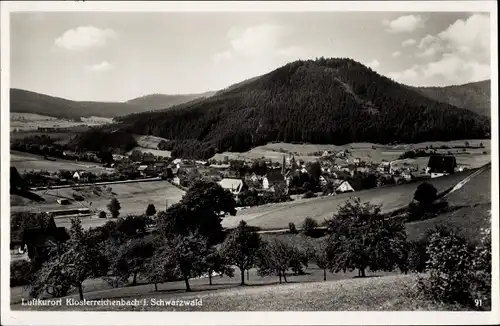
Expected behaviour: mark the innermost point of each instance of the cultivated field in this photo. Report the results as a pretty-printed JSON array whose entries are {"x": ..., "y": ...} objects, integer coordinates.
[
  {"x": 31, "y": 121},
  {"x": 367, "y": 152},
  {"x": 133, "y": 197},
  {"x": 31, "y": 162},
  {"x": 277, "y": 216}
]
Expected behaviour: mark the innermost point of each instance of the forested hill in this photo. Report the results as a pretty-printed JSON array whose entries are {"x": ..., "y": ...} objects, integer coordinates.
[
  {"x": 475, "y": 97},
  {"x": 335, "y": 101},
  {"x": 23, "y": 101},
  {"x": 163, "y": 101}
]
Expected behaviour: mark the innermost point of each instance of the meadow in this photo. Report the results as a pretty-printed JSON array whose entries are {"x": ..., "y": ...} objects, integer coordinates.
[
  {"x": 31, "y": 162},
  {"x": 32, "y": 121},
  {"x": 393, "y": 292},
  {"x": 277, "y": 216},
  {"x": 368, "y": 152}
]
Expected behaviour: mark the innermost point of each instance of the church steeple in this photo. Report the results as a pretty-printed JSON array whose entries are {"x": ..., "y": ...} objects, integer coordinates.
[{"x": 283, "y": 166}]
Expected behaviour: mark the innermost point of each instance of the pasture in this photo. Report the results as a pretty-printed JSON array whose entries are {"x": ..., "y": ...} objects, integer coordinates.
[
  {"x": 31, "y": 162},
  {"x": 368, "y": 152},
  {"x": 277, "y": 216},
  {"x": 394, "y": 292}
]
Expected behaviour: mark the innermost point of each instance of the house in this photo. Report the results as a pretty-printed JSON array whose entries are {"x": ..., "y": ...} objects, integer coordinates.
[
  {"x": 160, "y": 167},
  {"x": 325, "y": 153},
  {"x": 384, "y": 166},
  {"x": 254, "y": 177},
  {"x": 39, "y": 241},
  {"x": 202, "y": 163},
  {"x": 356, "y": 160},
  {"x": 177, "y": 161},
  {"x": 235, "y": 186},
  {"x": 142, "y": 169},
  {"x": 273, "y": 178},
  {"x": 63, "y": 201},
  {"x": 176, "y": 181},
  {"x": 341, "y": 186},
  {"x": 440, "y": 165},
  {"x": 80, "y": 176}
]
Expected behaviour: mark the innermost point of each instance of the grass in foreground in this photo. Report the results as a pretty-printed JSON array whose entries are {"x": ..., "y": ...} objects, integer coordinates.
[{"x": 368, "y": 294}]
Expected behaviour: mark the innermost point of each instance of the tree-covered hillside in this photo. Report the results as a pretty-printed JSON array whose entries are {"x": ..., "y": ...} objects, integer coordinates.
[
  {"x": 475, "y": 97},
  {"x": 335, "y": 101}
]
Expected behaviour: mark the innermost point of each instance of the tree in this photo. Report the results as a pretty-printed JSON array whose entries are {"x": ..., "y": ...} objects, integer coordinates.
[
  {"x": 241, "y": 248},
  {"x": 136, "y": 155},
  {"x": 183, "y": 257},
  {"x": 151, "y": 210},
  {"x": 114, "y": 207},
  {"x": 130, "y": 258},
  {"x": 309, "y": 226},
  {"x": 276, "y": 257},
  {"x": 79, "y": 260},
  {"x": 16, "y": 181},
  {"x": 314, "y": 170},
  {"x": 318, "y": 253},
  {"x": 218, "y": 263},
  {"x": 361, "y": 237},
  {"x": 200, "y": 210},
  {"x": 425, "y": 194},
  {"x": 102, "y": 214},
  {"x": 292, "y": 228}
]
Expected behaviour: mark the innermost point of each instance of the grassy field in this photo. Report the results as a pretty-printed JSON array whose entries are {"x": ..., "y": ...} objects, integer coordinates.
[
  {"x": 149, "y": 144},
  {"x": 277, "y": 216},
  {"x": 28, "y": 162},
  {"x": 386, "y": 293},
  {"x": 133, "y": 197},
  {"x": 367, "y": 152},
  {"x": 31, "y": 121}
]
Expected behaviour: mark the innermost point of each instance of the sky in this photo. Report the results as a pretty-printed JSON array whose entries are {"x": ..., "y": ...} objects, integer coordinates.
[{"x": 106, "y": 56}]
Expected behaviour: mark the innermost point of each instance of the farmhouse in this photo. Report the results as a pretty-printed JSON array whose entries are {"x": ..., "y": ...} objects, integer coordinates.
[
  {"x": 440, "y": 165},
  {"x": 80, "y": 176},
  {"x": 341, "y": 186},
  {"x": 39, "y": 241},
  {"x": 273, "y": 179},
  {"x": 235, "y": 186}
]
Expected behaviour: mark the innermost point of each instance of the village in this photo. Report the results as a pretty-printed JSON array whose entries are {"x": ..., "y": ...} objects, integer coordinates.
[{"x": 332, "y": 173}]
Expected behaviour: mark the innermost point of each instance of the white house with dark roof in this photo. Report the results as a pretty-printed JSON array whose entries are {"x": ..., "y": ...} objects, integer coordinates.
[{"x": 235, "y": 186}]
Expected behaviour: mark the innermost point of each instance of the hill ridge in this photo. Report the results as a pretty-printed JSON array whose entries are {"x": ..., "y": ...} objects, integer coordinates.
[{"x": 304, "y": 101}]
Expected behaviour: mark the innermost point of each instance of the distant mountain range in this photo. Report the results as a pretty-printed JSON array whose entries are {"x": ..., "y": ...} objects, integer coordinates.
[
  {"x": 472, "y": 96},
  {"x": 334, "y": 101},
  {"x": 22, "y": 101}
]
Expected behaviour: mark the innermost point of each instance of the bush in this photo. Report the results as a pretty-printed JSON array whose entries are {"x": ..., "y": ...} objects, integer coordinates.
[
  {"x": 21, "y": 272},
  {"x": 309, "y": 194},
  {"x": 292, "y": 229},
  {"x": 425, "y": 194},
  {"x": 481, "y": 267},
  {"x": 309, "y": 227},
  {"x": 449, "y": 267},
  {"x": 417, "y": 256}
]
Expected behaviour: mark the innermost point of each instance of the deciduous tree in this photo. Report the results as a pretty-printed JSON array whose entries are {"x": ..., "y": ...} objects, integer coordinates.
[
  {"x": 361, "y": 237},
  {"x": 241, "y": 248}
]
